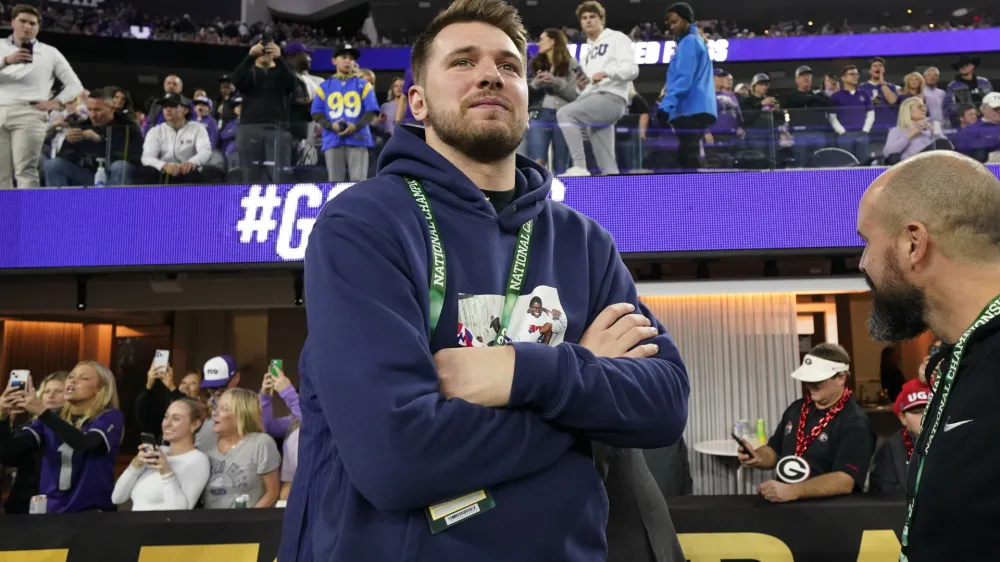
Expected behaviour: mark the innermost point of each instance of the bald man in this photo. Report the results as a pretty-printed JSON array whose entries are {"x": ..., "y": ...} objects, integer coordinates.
[{"x": 931, "y": 227}]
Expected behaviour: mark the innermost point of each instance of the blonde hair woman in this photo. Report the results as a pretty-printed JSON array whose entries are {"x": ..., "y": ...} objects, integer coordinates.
[
  {"x": 79, "y": 443},
  {"x": 245, "y": 460},
  {"x": 26, "y": 466},
  {"x": 913, "y": 87},
  {"x": 913, "y": 132}
]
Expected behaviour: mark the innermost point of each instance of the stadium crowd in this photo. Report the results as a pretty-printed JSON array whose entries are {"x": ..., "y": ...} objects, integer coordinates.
[{"x": 271, "y": 120}]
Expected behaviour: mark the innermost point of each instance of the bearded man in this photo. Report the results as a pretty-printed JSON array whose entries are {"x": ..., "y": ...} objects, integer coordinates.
[{"x": 931, "y": 227}]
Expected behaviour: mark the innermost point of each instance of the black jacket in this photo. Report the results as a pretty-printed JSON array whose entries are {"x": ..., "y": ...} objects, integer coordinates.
[
  {"x": 151, "y": 405},
  {"x": 888, "y": 474},
  {"x": 807, "y": 111},
  {"x": 267, "y": 92},
  {"x": 959, "y": 500},
  {"x": 122, "y": 136}
]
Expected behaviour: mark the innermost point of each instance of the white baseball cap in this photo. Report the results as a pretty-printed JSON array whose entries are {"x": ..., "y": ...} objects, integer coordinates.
[
  {"x": 218, "y": 371},
  {"x": 817, "y": 369},
  {"x": 992, "y": 99}
]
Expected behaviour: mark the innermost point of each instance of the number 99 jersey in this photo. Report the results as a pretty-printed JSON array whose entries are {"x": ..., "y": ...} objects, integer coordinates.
[{"x": 345, "y": 99}]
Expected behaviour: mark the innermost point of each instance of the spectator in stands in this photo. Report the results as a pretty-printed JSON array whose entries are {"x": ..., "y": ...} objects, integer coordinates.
[
  {"x": 553, "y": 73},
  {"x": 854, "y": 115},
  {"x": 913, "y": 86},
  {"x": 912, "y": 134},
  {"x": 889, "y": 468},
  {"x": 79, "y": 443},
  {"x": 303, "y": 126},
  {"x": 170, "y": 477},
  {"x": 106, "y": 133},
  {"x": 368, "y": 74},
  {"x": 728, "y": 127},
  {"x": 289, "y": 459},
  {"x": 387, "y": 112},
  {"x": 26, "y": 467},
  {"x": 223, "y": 109},
  {"x": 227, "y": 136},
  {"x": 177, "y": 150},
  {"x": 160, "y": 390},
  {"x": 807, "y": 117},
  {"x": 834, "y": 466},
  {"x": 831, "y": 84},
  {"x": 28, "y": 70},
  {"x": 689, "y": 103},
  {"x": 885, "y": 101},
  {"x": 266, "y": 83},
  {"x": 345, "y": 106},
  {"x": 219, "y": 374},
  {"x": 203, "y": 115},
  {"x": 934, "y": 95},
  {"x": 608, "y": 67},
  {"x": 123, "y": 101},
  {"x": 278, "y": 428},
  {"x": 982, "y": 138},
  {"x": 968, "y": 115},
  {"x": 244, "y": 460},
  {"x": 404, "y": 115},
  {"x": 630, "y": 133},
  {"x": 171, "y": 85},
  {"x": 966, "y": 88},
  {"x": 761, "y": 116}
]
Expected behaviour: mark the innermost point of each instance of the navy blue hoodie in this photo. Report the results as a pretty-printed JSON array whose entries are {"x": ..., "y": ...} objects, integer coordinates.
[{"x": 379, "y": 443}]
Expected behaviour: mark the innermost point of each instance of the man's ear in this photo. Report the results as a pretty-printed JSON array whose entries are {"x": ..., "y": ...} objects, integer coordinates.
[
  {"x": 918, "y": 243},
  {"x": 418, "y": 103}
]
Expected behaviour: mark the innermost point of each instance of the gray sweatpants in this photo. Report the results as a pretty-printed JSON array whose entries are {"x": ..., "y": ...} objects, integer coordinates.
[
  {"x": 347, "y": 163},
  {"x": 597, "y": 113}
]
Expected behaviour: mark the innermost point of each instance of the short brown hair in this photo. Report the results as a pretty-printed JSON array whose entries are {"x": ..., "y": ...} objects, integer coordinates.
[
  {"x": 25, "y": 9},
  {"x": 591, "y": 7},
  {"x": 831, "y": 352},
  {"x": 491, "y": 12}
]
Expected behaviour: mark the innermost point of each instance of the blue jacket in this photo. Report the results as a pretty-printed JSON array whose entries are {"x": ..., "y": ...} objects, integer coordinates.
[
  {"x": 690, "y": 88},
  {"x": 379, "y": 442}
]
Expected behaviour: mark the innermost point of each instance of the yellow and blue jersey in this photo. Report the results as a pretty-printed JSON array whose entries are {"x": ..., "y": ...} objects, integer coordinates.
[{"x": 345, "y": 99}]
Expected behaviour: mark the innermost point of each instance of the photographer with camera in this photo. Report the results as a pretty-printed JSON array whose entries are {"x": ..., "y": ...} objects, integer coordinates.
[{"x": 267, "y": 84}]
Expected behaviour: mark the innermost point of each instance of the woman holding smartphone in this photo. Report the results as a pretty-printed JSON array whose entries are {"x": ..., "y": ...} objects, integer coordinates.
[
  {"x": 78, "y": 443},
  {"x": 27, "y": 466},
  {"x": 278, "y": 428},
  {"x": 553, "y": 72},
  {"x": 167, "y": 478}
]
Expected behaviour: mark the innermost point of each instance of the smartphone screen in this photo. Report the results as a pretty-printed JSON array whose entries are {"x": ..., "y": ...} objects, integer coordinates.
[
  {"x": 161, "y": 359},
  {"x": 148, "y": 439},
  {"x": 277, "y": 365}
]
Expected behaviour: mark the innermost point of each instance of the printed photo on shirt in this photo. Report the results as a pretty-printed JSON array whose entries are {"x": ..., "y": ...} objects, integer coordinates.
[{"x": 537, "y": 317}]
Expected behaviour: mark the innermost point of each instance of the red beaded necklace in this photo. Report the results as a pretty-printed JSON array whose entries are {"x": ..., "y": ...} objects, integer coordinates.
[
  {"x": 908, "y": 443},
  {"x": 802, "y": 441}
]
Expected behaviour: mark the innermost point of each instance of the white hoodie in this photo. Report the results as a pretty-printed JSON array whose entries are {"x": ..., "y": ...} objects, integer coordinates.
[
  {"x": 613, "y": 54},
  {"x": 166, "y": 145}
]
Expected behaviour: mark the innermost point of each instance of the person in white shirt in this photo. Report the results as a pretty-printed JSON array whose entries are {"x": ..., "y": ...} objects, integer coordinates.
[
  {"x": 934, "y": 95},
  {"x": 28, "y": 70},
  {"x": 177, "y": 150},
  {"x": 608, "y": 68},
  {"x": 168, "y": 478}
]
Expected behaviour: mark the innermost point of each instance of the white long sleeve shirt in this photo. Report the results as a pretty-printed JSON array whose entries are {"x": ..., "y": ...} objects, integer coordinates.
[
  {"x": 166, "y": 145},
  {"x": 21, "y": 84},
  {"x": 150, "y": 491},
  {"x": 613, "y": 54}
]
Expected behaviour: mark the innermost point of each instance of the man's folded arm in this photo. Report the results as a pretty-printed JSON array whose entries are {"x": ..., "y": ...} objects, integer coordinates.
[
  {"x": 403, "y": 445},
  {"x": 640, "y": 403}
]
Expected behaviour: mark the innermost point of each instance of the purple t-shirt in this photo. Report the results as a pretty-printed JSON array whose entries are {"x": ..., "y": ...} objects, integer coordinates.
[
  {"x": 885, "y": 114},
  {"x": 852, "y": 108},
  {"x": 79, "y": 481},
  {"x": 728, "y": 107},
  {"x": 407, "y": 83}
]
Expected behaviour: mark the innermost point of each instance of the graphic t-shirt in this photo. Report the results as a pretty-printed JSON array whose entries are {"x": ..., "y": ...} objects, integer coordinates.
[
  {"x": 239, "y": 471},
  {"x": 77, "y": 481}
]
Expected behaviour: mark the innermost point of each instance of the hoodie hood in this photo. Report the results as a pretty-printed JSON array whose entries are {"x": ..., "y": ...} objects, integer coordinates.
[{"x": 408, "y": 154}]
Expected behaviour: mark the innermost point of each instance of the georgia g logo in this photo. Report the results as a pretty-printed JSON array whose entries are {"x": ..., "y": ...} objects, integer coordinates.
[{"x": 792, "y": 469}]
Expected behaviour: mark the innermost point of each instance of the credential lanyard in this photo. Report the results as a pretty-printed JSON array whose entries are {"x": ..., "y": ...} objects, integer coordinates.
[
  {"x": 932, "y": 419},
  {"x": 439, "y": 273}
]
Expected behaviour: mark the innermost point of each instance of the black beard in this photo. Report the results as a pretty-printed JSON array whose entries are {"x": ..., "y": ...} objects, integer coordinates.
[
  {"x": 482, "y": 144},
  {"x": 898, "y": 308}
]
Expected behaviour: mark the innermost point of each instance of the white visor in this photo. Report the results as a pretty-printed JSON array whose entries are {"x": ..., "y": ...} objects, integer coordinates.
[{"x": 816, "y": 369}]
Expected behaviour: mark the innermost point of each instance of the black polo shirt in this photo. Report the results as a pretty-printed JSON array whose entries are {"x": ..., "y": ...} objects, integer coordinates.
[
  {"x": 958, "y": 504},
  {"x": 846, "y": 445}
]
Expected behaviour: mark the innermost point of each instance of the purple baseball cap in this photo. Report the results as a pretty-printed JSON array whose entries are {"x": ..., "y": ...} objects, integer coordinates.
[
  {"x": 218, "y": 372},
  {"x": 295, "y": 48}
]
